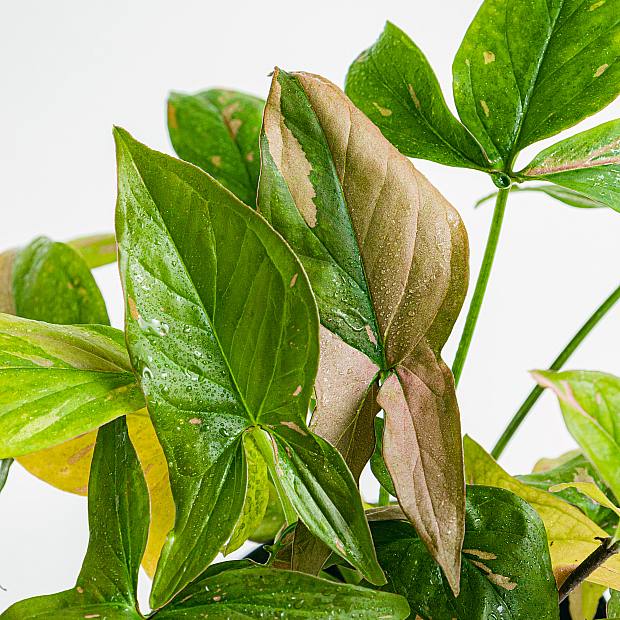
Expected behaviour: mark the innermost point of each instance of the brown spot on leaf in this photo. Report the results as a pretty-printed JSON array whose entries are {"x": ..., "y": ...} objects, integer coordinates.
[
  {"x": 81, "y": 490},
  {"x": 293, "y": 280},
  {"x": 371, "y": 334},
  {"x": 80, "y": 454},
  {"x": 250, "y": 156},
  {"x": 383, "y": 111},
  {"x": 294, "y": 427},
  {"x": 581, "y": 475},
  {"x": 133, "y": 310},
  {"x": 485, "y": 108},
  {"x": 297, "y": 391},
  {"x": 414, "y": 97},
  {"x": 80, "y": 590},
  {"x": 489, "y": 57},
  {"x": 601, "y": 70},
  {"x": 234, "y": 125},
  {"x": 502, "y": 581},
  {"x": 483, "y": 555},
  {"x": 216, "y": 160},
  {"x": 217, "y": 598},
  {"x": 172, "y": 117},
  {"x": 195, "y": 421},
  {"x": 92, "y": 616}
]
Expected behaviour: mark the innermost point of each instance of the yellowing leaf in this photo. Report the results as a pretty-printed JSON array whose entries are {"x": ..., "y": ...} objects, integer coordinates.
[{"x": 590, "y": 490}]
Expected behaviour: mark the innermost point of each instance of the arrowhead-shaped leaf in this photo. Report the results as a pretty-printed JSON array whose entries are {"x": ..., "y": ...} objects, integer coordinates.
[
  {"x": 386, "y": 255},
  {"x": 222, "y": 329},
  {"x": 571, "y": 535},
  {"x": 527, "y": 70},
  {"x": 590, "y": 403},
  {"x": 588, "y": 163},
  {"x": 218, "y": 131},
  {"x": 59, "y": 382},
  {"x": 393, "y": 83},
  {"x": 258, "y": 592},
  {"x": 506, "y": 569},
  {"x": 118, "y": 510}
]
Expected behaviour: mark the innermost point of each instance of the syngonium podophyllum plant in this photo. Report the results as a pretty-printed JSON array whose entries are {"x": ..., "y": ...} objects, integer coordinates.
[{"x": 289, "y": 285}]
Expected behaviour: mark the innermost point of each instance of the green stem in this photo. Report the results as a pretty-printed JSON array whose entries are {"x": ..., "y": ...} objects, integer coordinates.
[
  {"x": 481, "y": 284},
  {"x": 559, "y": 361},
  {"x": 263, "y": 441},
  {"x": 384, "y": 496}
]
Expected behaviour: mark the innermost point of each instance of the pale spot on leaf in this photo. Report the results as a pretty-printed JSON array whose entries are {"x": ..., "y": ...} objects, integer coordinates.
[
  {"x": 483, "y": 555},
  {"x": 414, "y": 96},
  {"x": 172, "y": 117},
  {"x": 250, "y": 156},
  {"x": 293, "y": 280},
  {"x": 294, "y": 427},
  {"x": 371, "y": 335},
  {"x": 80, "y": 454},
  {"x": 133, "y": 310},
  {"x": 216, "y": 160},
  {"x": 485, "y": 108},
  {"x": 383, "y": 111},
  {"x": 596, "y": 5},
  {"x": 489, "y": 57},
  {"x": 502, "y": 581},
  {"x": 601, "y": 70},
  {"x": 297, "y": 391},
  {"x": 581, "y": 475},
  {"x": 234, "y": 125},
  {"x": 80, "y": 590},
  {"x": 195, "y": 421}
]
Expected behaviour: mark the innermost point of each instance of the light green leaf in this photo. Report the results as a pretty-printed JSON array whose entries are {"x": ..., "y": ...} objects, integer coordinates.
[
  {"x": 118, "y": 514},
  {"x": 613, "y": 606},
  {"x": 387, "y": 259},
  {"x": 256, "y": 496},
  {"x": 571, "y": 535},
  {"x": 588, "y": 163},
  {"x": 589, "y": 489},
  {"x": 258, "y": 592},
  {"x": 218, "y": 131},
  {"x": 506, "y": 570},
  {"x": 583, "y": 601},
  {"x": 59, "y": 382},
  {"x": 273, "y": 519},
  {"x": 393, "y": 83},
  {"x": 527, "y": 70},
  {"x": 96, "y": 250},
  {"x": 567, "y": 196},
  {"x": 222, "y": 328},
  {"x": 590, "y": 404},
  {"x": 51, "y": 282}
]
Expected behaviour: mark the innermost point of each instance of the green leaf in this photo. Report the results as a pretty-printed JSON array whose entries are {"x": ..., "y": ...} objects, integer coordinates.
[
  {"x": 387, "y": 259},
  {"x": 571, "y": 535},
  {"x": 613, "y": 606},
  {"x": 96, "y": 250},
  {"x": 222, "y": 328},
  {"x": 118, "y": 514},
  {"x": 51, "y": 282},
  {"x": 589, "y": 489},
  {"x": 393, "y": 83},
  {"x": 60, "y": 381},
  {"x": 256, "y": 496},
  {"x": 218, "y": 131},
  {"x": 273, "y": 520},
  {"x": 527, "y": 70},
  {"x": 258, "y": 592},
  {"x": 590, "y": 403},
  {"x": 377, "y": 464},
  {"x": 575, "y": 469},
  {"x": 588, "y": 163},
  {"x": 583, "y": 601},
  {"x": 5, "y": 465},
  {"x": 567, "y": 196},
  {"x": 506, "y": 570}
]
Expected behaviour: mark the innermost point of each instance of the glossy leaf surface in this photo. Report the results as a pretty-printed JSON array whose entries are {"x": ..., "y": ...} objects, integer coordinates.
[
  {"x": 387, "y": 258},
  {"x": 258, "y": 592},
  {"x": 506, "y": 570},
  {"x": 377, "y": 464},
  {"x": 118, "y": 509},
  {"x": 59, "y": 382},
  {"x": 571, "y": 535},
  {"x": 590, "y": 403},
  {"x": 222, "y": 329},
  {"x": 393, "y": 83},
  {"x": 96, "y": 250},
  {"x": 527, "y": 70},
  {"x": 218, "y": 131},
  {"x": 588, "y": 163}
]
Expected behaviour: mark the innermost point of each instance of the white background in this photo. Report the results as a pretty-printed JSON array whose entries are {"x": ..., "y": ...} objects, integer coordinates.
[{"x": 69, "y": 69}]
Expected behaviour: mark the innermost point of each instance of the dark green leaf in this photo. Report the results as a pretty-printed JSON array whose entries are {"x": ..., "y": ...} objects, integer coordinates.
[
  {"x": 258, "y": 592},
  {"x": 96, "y": 250},
  {"x": 60, "y": 381},
  {"x": 118, "y": 510},
  {"x": 588, "y": 163},
  {"x": 387, "y": 258},
  {"x": 377, "y": 464},
  {"x": 590, "y": 403},
  {"x": 577, "y": 469},
  {"x": 51, "y": 282},
  {"x": 222, "y": 328},
  {"x": 506, "y": 570},
  {"x": 563, "y": 194},
  {"x": 5, "y": 465},
  {"x": 395, "y": 86},
  {"x": 527, "y": 70},
  {"x": 218, "y": 131}
]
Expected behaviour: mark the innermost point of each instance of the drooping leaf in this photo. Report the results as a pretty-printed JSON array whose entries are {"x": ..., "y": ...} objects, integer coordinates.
[
  {"x": 588, "y": 163},
  {"x": 377, "y": 464},
  {"x": 118, "y": 512},
  {"x": 218, "y": 131},
  {"x": 59, "y": 381},
  {"x": 574, "y": 469},
  {"x": 51, "y": 282},
  {"x": 258, "y": 592},
  {"x": 527, "y": 70},
  {"x": 563, "y": 194},
  {"x": 506, "y": 569},
  {"x": 571, "y": 535},
  {"x": 221, "y": 326},
  {"x": 387, "y": 258},
  {"x": 393, "y": 83},
  {"x": 96, "y": 250},
  {"x": 590, "y": 404}
]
